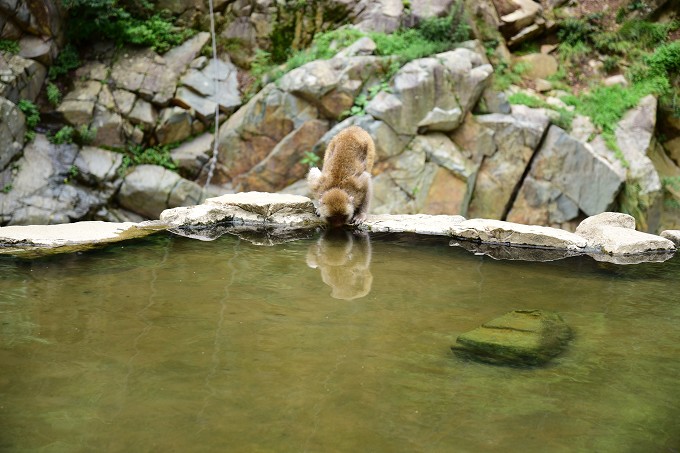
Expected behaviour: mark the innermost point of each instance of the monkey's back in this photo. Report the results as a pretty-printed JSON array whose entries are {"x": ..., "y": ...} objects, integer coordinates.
[{"x": 350, "y": 153}]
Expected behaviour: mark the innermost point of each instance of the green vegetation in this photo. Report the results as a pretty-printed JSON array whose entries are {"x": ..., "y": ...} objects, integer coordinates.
[
  {"x": 563, "y": 120},
  {"x": 32, "y": 114},
  {"x": 63, "y": 136},
  {"x": 53, "y": 94},
  {"x": 156, "y": 155},
  {"x": 72, "y": 173},
  {"x": 361, "y": 101},
  {"x": 67, "y": 135},
  {"x": 671, "y": 186},
  {"x": 9, "y": 45},
  {"x": 432, "y": 36},
  {"x": 67, "y": 61},
  {"x": 7, "y": 188},
  {"x": 631, "y": 201},
  {"x": 310, "y": 159},
  {"x": 506, "y": 75},
  {"x": 123, "y": 21}
]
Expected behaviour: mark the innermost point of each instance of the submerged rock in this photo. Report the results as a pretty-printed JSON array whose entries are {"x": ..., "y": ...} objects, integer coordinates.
[{"x": 520, "y": 338}]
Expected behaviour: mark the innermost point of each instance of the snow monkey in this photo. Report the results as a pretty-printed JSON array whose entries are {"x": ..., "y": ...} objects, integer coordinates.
[{"x": 343, "y": 186}]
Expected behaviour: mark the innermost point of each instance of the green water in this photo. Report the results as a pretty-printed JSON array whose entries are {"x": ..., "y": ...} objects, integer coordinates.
[{"x": 172, "y": 344}]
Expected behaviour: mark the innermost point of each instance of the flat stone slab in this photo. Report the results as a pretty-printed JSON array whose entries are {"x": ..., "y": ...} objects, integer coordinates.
[
  {"x": 264, "y": 217},
  {"x": 519, "y": 338},
  {"x": 516, "y": 234},
  {"x": 35, "y": 240},
  {"x": 247, "y": 208},
  {"x": 434, "y": 225}
]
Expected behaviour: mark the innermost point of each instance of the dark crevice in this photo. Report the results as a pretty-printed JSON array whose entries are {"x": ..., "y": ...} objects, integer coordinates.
[{"x": 527, "y": 169}]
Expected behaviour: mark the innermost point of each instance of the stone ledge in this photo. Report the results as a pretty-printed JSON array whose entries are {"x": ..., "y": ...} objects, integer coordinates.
[
  {"x": 36, "y": 240},
  {"x": 270, "y": 218}
]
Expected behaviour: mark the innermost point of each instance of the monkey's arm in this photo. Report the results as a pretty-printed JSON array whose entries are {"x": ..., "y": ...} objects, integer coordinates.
[
  {"x": 361, "y": 211},
  {"x": 314, "y": 179}
]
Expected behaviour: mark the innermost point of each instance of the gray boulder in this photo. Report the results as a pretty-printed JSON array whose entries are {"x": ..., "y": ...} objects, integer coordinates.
[
  {"x": 451, "y": 188},
  {"x": 433, "y": 93},
  {"x": 12, "y": 130},
  {"x": 77, "y": 108},
  {"x": 20, "y": 78},
  {"x": 672, "y": 235},
  {"x": 635, "y": 137},
  {"x": 204, "y": 89},
  {"x": 565, "y": 176},
  {"x": 46, "y": 189},
  {"x": 614, "y": 233},
  {"x": 99, "y": 167},
  {"x": 331, "y": 85},
  {"x": 403, "y": 186},
  {"x": 150, "y": 189},
  {"x": 252, "y": 132},
  {"x": 387, "y": 142},
  {"x": 174, "y": 125},
  {"x": 515, "y": 139},
  {"x": 518, "y": 338},
  {"x": 282, "y": 166},
  {"x": 192, "y": 155}
]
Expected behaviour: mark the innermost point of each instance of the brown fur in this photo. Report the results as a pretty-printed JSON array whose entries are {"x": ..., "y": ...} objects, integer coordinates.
[{"x": 343, "y": 187}]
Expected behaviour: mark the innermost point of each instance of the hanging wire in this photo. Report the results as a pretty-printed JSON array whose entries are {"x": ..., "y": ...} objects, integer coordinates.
[{"x": 213, "y": 158}]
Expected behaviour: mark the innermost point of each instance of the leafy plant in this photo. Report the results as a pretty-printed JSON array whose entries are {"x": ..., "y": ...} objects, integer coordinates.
[
  {"x": 63, "y": 136},
  {"x": 565, "y": 115},
  {"x": 156, "y": 155},
  {"x": 9, "y": 45},
  {"x": 7, "y": 188},
  {"x": 528, "y": 100},
  {"x": 155, "y": 32},
  {"x": 67, "y": 61},
  {"x": 53, "y": 94},
  {"x": 67, "y": 135},
  {"x": 450, "y": 29},
  {"x": 310, "y": 159},
  {"x": 85, "y": 135},
  {"x": 124, "y": 21},
  {"x": 506, "y": 75},
  {"x": 32, "y": 114},
  {"x": 361, "y": 101},
  {"x": 72, "y": 173}
]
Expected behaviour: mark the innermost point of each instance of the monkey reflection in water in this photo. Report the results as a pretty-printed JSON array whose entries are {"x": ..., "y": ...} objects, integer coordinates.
[{"x": 344, "y": 258}]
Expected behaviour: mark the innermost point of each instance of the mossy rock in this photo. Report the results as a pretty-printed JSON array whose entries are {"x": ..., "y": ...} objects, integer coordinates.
[{"x": 519, "y": 338}]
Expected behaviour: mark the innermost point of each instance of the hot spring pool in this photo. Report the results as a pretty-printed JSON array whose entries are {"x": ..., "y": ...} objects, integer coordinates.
[{"x": 172, "y": 344}]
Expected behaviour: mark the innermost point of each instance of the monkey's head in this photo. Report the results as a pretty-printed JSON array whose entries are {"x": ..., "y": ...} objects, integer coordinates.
[{"x": 336, "y": 207}]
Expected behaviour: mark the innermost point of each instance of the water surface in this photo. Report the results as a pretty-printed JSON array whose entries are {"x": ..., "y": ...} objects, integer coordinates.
[{"x": 171, "y": 344}]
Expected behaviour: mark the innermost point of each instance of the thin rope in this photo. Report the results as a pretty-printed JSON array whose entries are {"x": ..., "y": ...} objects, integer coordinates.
[{"x": 213, "y": 158}]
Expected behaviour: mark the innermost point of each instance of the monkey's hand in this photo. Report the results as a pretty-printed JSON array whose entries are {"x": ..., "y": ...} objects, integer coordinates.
[{"x": 359, "y": 219}]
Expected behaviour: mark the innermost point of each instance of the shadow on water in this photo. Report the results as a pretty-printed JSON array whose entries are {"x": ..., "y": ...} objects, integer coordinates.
[{"x": 172, "y": 344}]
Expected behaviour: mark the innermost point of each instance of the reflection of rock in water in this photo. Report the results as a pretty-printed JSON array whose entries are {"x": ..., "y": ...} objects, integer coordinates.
[{"x": 344, "y": 259}]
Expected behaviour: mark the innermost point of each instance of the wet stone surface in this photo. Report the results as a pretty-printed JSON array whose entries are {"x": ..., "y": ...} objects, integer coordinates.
[{"x": 518, "y": 338}]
